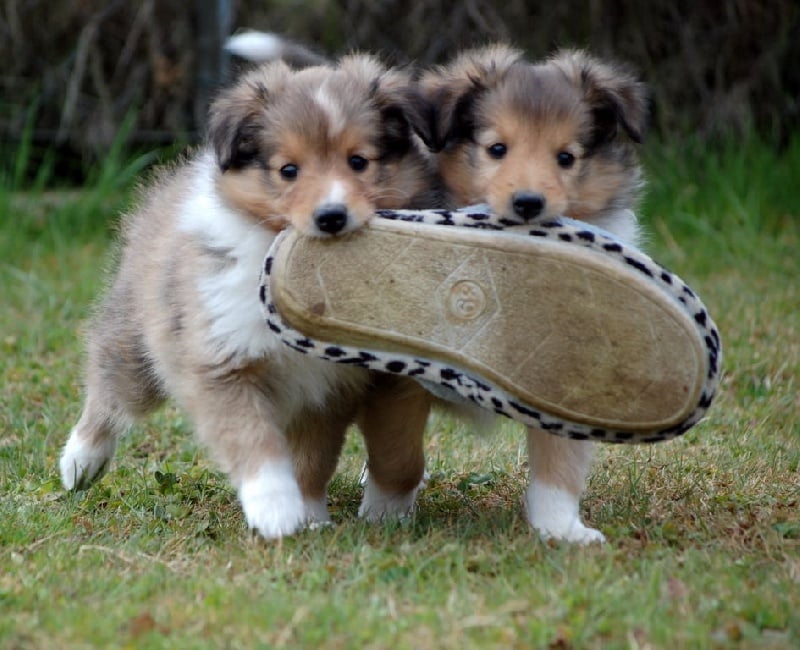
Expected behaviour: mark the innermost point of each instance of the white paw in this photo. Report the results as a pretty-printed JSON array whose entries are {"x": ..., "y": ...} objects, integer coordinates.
[
  {"x": 82, "y": 463},
  {"x": 553, "y": 513},
  {"x": 423, "y": 482},
  {"x": 574, "y": 532},
  {"x": 378, "y": 504},
  {"x": 272, "y": 502},
  {"x": 317, "y": 512}
]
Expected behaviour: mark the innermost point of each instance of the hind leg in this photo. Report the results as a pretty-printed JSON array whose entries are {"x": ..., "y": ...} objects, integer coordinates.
[
  {"x": 90, "y": 446},
  {"x": 119, "y": 389},
  {"x": 558, "y": 470},
  {"x": 393, "y": 424}
]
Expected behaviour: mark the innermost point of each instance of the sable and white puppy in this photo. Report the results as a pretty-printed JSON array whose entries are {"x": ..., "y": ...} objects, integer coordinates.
[
  {"x": 395, "y": 409},
  {"x": 318, "y": 149},
  {"x": 536, "y": 141}
]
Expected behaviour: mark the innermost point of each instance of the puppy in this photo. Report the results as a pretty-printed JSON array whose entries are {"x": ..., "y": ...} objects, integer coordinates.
[
  {"x": 536, "y": 141},
  {"x": 394, "y": 412},
  {"x": 317, "y": 149}
]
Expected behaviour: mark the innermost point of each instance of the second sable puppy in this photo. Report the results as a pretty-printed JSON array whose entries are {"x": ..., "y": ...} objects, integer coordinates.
[{"x": 537, "y": 141}]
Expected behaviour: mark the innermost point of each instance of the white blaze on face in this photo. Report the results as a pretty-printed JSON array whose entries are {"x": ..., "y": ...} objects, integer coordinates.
[
  {"x": 336, "y": 193},
  {"x": 332, "y": 110}
]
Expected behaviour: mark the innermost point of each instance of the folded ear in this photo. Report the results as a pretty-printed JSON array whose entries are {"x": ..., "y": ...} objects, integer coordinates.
[
  {"x": 424, "y": 116},
  {"x": 236, "y": 116},
  {"x": 233, "y": 133},
  {"x": 614, "y": 94},
  {"x": 451, "y": 92},
  {"x": 449, "y": 110},
  {"x": 392, "y": 92}
]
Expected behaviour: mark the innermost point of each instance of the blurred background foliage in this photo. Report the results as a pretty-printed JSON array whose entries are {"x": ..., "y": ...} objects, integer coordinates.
[{"x": 77, "y": 76}]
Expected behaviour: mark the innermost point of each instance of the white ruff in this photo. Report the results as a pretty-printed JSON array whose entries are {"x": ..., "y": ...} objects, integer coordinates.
[
  {"x": 237, "y": 328},
  {"x": 230, "y": 294},
  {"x": 622, "y": 223}
]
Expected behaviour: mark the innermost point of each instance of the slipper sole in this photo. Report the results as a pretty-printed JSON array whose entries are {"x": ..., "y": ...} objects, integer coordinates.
[{"x": 568, "y": 330}]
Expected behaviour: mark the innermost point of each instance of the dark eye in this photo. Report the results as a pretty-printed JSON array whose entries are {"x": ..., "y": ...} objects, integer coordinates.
[
  {"x": 565, "y": 159},
  {"x": 289, "y": 172},
  {"x": 357, "y": 163},
  {"x": 497, "y": 151}
]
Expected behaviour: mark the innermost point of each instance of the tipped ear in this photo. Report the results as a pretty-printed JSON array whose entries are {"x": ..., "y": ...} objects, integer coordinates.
[
  {"x": 452, "y": 91},
  {"x": 614, "y": 94},
  {"x": 400, "y": 109},
  {"x": 235, "y": 117},
  {"x": 396, "y": 131},
  {"x": 233, "y": 133},
  {"x": 423, "y": 115},
  {"x": 451, "y": 113},
  {"x": 438, "y": 116}
]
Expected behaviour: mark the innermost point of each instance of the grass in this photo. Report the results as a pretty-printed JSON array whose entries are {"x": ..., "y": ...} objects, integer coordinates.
[{"x": 704, "y": 531}]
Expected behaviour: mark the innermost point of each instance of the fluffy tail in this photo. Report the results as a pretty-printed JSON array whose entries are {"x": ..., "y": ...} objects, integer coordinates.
[{"x": 261, "y": 47}]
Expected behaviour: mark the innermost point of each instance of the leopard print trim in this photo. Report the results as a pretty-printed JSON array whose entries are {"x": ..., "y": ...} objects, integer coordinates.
[{"x": 482, "y": 392}]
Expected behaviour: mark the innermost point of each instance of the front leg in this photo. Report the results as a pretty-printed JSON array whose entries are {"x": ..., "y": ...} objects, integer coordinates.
[
  {"x": 393, "y": 421},
  {"x": 316, "y": 438},
  {"x": 236, "y": 418},
  {"x": 558, "y": 470}
]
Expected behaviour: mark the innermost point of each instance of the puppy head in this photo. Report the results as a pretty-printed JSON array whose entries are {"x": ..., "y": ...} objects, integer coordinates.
[
  {"x": 319, "y": 148},
  {"x": 536, "y": 141},
  {"x": 453, "y": 91}
]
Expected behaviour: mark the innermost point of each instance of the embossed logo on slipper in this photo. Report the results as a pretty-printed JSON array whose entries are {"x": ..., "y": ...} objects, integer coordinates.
[{"x": 466, "y": 300}]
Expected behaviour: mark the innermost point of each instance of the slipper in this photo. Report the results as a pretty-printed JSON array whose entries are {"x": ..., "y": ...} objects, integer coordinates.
[{"x": 559, "y": 326}]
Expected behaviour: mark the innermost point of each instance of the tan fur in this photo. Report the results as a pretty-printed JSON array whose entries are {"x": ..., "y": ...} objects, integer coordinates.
[
  {"x": 571, "y": 103},
  {"x": 559, "y": 461},
  {"x": 181, "y": 317},
  {"x": 393, "y": 420},
  {"x": 299, "y": 130}
]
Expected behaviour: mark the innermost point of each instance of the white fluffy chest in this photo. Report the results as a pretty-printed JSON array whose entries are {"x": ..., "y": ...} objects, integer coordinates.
[
  {"x": 228, "y": 287},
  {"x": 228, "y": 290},
  {"x": 620, "y": 222}
]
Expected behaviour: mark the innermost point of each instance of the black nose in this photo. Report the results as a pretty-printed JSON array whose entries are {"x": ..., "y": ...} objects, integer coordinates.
[
  {"x": 331, "y": 217},
  {"x": 528, "y": 204}
]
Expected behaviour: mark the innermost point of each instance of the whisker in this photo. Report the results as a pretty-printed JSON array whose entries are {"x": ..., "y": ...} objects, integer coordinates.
[{"x": 390, "y": 193}]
